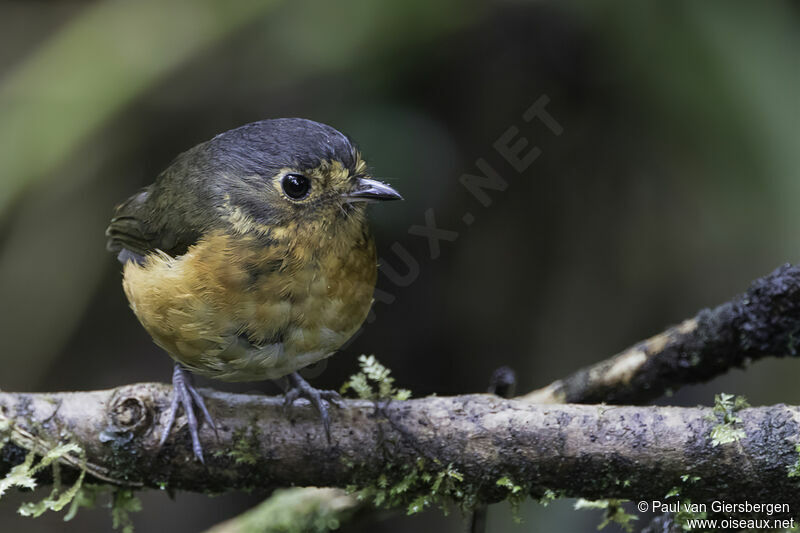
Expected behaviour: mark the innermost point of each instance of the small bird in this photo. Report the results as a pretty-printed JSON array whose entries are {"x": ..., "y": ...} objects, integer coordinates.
[{"x": 250, "y": 257}]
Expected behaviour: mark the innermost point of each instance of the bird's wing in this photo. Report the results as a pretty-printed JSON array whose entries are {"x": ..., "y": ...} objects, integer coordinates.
[
  {"x": 126, "y": 233},
  {"x": 140, "y": 227},
  {"x": 169, "y": 215}
]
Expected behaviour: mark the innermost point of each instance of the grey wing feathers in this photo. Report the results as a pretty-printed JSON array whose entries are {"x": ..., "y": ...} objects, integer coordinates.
[
  {"x": 145, "y": 223},
  {"x": 169, "y": 215}
]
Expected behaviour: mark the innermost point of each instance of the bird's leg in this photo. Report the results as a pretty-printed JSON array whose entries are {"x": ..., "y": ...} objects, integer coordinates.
[
  {"x": 185, "y": 395},
  {"x": 300, "y": 388}
]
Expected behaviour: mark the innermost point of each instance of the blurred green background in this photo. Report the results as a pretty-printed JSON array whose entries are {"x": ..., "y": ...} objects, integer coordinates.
[{"x": 675, "y": 182}]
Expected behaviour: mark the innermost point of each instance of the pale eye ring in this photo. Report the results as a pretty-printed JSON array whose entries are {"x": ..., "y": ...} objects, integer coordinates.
[{"x": 296, "y": 186}]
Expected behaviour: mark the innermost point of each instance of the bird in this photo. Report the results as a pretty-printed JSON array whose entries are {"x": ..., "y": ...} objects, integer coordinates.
[{"x": 251, "y": 257}]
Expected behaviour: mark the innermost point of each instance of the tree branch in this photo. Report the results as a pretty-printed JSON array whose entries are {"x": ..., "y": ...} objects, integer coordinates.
[
  {"x": 592, "y": 452},
  {"x": 589, "y": 451},
  {"x": 762, "y": 322},
  {"x": 296, "y": 509}
]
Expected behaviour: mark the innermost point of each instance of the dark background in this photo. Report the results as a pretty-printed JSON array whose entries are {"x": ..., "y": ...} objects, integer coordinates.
[{"x": 673, "y": 184}]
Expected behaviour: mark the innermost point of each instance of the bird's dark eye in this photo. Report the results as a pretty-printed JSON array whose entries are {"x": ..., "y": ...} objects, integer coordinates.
[{"x": 296, "y": 186}]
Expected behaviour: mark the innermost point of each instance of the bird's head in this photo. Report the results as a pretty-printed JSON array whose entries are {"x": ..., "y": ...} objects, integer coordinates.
[{"x": 292, "y": 174}]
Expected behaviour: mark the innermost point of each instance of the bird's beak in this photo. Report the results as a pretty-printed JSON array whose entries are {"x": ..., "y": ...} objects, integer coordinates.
[{"x": 368, "y": 190}]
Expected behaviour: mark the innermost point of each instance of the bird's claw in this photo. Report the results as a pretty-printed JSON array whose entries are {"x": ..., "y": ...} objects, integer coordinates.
[
  {"x": 300, "y": 388},
  {"x": 185, "y": 395}
]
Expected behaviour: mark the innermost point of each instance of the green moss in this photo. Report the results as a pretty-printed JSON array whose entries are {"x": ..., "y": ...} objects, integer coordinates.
[
  {"x": 548, "y": 496},
  {"x": 507, "y": 483},
  {"x": 417, "y": 487},
  {"x": 374, "y": 382},
  {"x": 728, "y": 428},
  {"x": 686, "y": 511},
  {"x": 612, "y": 512},
  {"x": 425, "y": 484},
  {"x": 124, "y": 502},
  {"x": 516, "y": 495},
  {"x": 86, "y": 498},
  {"x": 121, "y": 502},
  {"x": 794, "y": 470},
  {"x": 245, "y": 447},
  {"x": 686, "y": 479},
  {"x": 77, "y": 495},
  {"x": 23, "y": 476},
  {"x": 57, "y": 499}
]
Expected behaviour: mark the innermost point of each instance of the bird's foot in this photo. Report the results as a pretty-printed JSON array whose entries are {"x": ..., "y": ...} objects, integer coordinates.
[
  {"x": 300, "y": 388},
  {"x": 186, "y": 396}
]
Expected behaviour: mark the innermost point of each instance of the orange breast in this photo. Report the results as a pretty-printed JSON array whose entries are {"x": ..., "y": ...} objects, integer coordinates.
[{"x": 236, "y": 309}]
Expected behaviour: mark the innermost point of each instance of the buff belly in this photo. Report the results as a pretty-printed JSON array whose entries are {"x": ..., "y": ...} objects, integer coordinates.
[{"x": 236, "y": 310}]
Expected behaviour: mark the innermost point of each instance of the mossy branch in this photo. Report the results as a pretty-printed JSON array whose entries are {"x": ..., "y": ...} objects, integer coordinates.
[
  {"x": 762, "y": 322},
  {"x": 466, "y": 450},
  {"x": 476, "y": 440}
]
